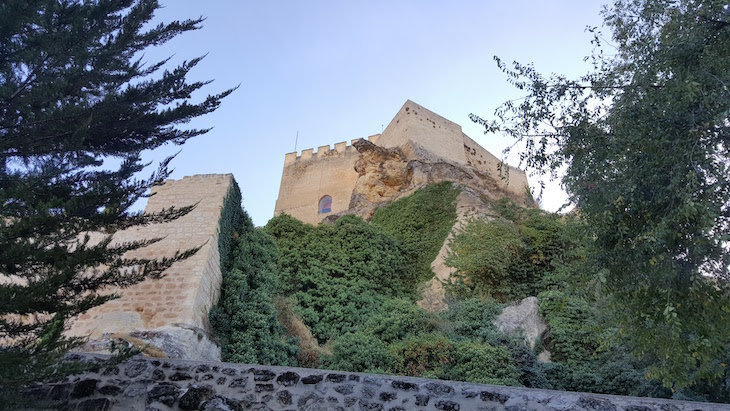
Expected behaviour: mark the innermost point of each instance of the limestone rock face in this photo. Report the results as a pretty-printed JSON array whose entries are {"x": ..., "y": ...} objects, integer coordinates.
[
  {"x": 171, "y": 341},
  {"x": 383, "y": 173},
  {"x": 523, "y": 317},
  {"x": 387, "y": 174}
]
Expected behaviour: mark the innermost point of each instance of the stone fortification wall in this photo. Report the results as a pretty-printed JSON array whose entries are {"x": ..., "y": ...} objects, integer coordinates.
[
  {"x": 149, "y": 384},
  {"x": 312, "y": 175},
  {"x": 514, "y": 181},
  {"x": 424, "y": 132},
  {"x": 170, "y": 313}
]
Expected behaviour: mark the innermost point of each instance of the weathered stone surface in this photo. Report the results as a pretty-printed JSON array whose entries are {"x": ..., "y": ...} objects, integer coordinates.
[
  {"x": 284, "y": 397},
  {"x": 287, "y": 389},
  {"x": 596, "y": 404},
  {"x": 84, "y": 388},
  {"x": 439, "y": 389},
  {"x": 264, "y": 387},
  {"x": 238, "y": 382},
  {"x": 523, "y": 317},
  {"x": 97, "y": 404},
  {"x": 336, "y": 378},
  {"x": 158, "y": 375},
  {"x": 195, "y": 396},
  {"x": 135, "y": 368},
  {"x": 165, "y": 392},
  {"x": 493, "y": 396},
  {"x": 312, "y": 379},
  {"x": 288, "y": 379},
  {"x": 345, "y": 389},
  {"x": 263, "y": 375},
  {"x": 405, "y": 386},
  {"x": 447, "y": 405},
  {"x": 145, "y": 316},
  {"x": 222, "y": 404},
  {"x": 180, "y": 376},
  {"x": 387, "y": 396},
  {"x": 110, "y": 390},
  {"x": 310, "y": 400},
  {"x": 422, "y": 400}
]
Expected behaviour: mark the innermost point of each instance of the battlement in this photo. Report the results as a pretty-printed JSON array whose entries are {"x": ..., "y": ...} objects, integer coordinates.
[{"x": 326, "y": 151}]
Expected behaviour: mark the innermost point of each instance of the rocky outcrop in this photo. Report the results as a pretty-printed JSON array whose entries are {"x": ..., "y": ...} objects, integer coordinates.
[
  {"x": 523, "y": 318},
  {"x": 386, "y": 174},
  {"x": 469, "y": 206},
  {"x": 153, "y": 384},
  {"x": 173, "y": 341}
]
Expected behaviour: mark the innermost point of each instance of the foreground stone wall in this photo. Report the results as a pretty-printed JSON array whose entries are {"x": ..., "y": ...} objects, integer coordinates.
[{"x": 149, "y": 384}]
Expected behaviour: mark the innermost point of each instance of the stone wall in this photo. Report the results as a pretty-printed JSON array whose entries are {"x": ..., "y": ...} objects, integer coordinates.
[
  {"x": 310, "y": 176},
  {"x": 511, "y": 178},
  {"x": 170, "y": 313},
  {"x": 149, "y": 384},
  {"x": 425, "y": 130}
]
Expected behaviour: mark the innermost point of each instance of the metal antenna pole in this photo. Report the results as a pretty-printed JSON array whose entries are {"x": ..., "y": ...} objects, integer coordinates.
[{"x": 296, "y": 141}]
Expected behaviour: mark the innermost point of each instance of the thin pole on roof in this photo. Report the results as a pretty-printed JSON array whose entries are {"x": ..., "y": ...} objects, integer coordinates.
[{"x": 296, "y": 141}]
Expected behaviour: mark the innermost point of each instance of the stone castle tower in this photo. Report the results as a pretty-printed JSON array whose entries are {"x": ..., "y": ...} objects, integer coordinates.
[{"x": 315, "y": 185}]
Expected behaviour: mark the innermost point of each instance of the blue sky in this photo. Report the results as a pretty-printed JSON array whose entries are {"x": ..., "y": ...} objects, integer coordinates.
[{"x": 336, "y": 71}]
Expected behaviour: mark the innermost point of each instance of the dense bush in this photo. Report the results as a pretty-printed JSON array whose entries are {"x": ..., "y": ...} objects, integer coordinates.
[
  {"x": 339, "y": 274},
  {"x": 398, "y": 319},
  {"x": 517, "y": 254},
  {"x": 423, "y": 355},
  {"x": 245, "y": 320},
  {"x": 421, "y": 222},
  {"x": 359, "y": 352},
  {"x": 471, "y": 319},
  {"x": 574, "y": 334},
  {"x": 480, "y": 363}
]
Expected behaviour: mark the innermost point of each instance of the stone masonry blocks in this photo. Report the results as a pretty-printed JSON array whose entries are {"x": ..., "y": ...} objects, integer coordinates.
[
  {"x": 190, "y": 287},
  {"x": 143, "y": 383}
]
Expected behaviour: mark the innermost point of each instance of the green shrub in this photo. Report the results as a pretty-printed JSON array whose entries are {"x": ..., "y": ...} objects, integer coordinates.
[
  {"x": 423, "y": 355},
  {"x": 245, "y": 320},
  {"x": 484, "y": 254},
  {"x": 398, "y": 319},
  {"x": 339, "y": 274},
  {"x": 421, "y": 222},
  {"x": 518, "y": 254},
  {"x": 359, "y": 352},
  {"x": 480, "y": 363},
  {"x": 574, "y": 335},
  {"x": 471, "y": 319}
]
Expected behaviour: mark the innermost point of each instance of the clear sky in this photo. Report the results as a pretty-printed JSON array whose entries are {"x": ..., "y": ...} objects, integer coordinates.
[{"x": 339, "y": 70}]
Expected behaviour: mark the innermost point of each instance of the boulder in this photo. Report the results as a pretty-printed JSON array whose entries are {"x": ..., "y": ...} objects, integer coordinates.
[{"x": 523, "y": 318}]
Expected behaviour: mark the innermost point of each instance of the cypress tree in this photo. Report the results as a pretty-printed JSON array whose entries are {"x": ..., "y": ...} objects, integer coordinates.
[{"x": 75, "y": 96}]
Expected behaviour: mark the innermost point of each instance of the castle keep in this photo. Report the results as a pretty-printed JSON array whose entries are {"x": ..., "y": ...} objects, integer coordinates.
[{"x": 317, "y": 184}]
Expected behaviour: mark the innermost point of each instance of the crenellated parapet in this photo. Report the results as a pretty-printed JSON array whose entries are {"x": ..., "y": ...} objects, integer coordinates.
[{"x": 341, "y": 148}]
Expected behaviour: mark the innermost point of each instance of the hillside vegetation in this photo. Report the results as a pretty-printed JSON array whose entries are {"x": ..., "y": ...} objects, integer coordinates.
[{"x": 354, "y": 285}]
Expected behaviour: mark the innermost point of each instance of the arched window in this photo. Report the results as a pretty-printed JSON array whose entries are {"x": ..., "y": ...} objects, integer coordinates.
[{"x": 325, "y": 204}]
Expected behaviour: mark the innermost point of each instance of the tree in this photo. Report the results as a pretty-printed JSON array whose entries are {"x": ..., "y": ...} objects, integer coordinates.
[
  {"x": 75, "y": 93},
  {"x": 644, "y": 138}
]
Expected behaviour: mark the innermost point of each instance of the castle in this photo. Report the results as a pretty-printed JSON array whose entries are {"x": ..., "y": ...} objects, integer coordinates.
[
  {"x": 317, "y": 184},
  {"x": 417, "y": 148},
  {"x": 170, "y": 314}
]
